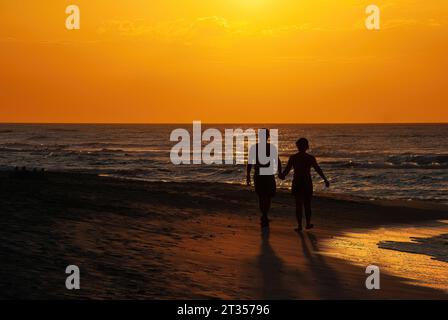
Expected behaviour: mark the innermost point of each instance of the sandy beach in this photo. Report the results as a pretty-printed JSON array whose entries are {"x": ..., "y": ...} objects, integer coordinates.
[{"x": 146, "y": 240}]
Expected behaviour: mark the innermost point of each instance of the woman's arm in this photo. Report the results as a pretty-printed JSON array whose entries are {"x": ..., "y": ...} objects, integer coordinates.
[
  {"x": 287, "y": 169},
  {"x": 320, "y": 172}
]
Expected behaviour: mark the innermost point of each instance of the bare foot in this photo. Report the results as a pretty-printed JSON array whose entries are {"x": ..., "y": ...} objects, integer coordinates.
[{"x": 310, "y": 226}]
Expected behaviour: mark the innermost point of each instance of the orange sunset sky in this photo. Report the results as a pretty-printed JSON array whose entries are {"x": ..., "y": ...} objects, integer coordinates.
[{"x": 277, "y": 61}]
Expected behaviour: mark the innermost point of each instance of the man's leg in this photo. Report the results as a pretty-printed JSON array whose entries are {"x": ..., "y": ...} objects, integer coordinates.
[
  {"x": 265, "y": 205},
  {"x": 299, "y": 210}
]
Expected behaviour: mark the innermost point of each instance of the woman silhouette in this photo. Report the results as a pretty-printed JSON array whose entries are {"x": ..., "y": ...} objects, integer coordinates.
[{"x": 302, "y": 184}]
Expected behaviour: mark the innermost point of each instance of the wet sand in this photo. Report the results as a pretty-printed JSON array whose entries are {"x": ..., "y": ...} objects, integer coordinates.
[{"x": 142, "y": 240}]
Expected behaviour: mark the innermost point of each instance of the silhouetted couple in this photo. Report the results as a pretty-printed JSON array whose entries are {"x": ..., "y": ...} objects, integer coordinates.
[{"x": 302, "y": 184}]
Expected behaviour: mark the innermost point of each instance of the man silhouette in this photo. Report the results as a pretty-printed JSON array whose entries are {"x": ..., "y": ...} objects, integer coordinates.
[{"x": 265, "y": 185}]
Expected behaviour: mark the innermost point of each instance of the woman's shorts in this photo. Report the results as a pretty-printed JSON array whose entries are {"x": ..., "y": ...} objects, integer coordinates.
[{"x": 302, "y": 188}]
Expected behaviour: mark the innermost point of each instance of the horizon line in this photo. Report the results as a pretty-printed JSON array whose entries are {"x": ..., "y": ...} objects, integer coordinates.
[{"x": 223, "y": 123}]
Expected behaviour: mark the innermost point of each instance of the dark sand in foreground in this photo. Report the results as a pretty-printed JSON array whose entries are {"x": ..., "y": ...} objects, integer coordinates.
[{"x": 141, "y": 240}]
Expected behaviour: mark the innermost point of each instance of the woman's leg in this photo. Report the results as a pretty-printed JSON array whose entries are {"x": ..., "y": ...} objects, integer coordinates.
[
  {"x": 299, "y": 210},
  {"x": 307, "y": 206}
]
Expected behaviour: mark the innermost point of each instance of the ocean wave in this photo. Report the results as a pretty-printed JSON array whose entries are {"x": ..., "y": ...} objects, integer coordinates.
[
  {"x": 25, "y": 147},
  {"x": 379, "y": 161},
  {"x": 38, "y": 137},
  {"x": 106, "y": 145},
  {"x": 419, "y": 159},
  {"x": 390, "y": 165},
  {"x": 62, "y": 130}
]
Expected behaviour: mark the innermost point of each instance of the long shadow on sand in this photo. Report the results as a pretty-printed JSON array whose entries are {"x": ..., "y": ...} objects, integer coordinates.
[
  {"x": 319, "y": 269},
  {"x": 271, "y": 267}
]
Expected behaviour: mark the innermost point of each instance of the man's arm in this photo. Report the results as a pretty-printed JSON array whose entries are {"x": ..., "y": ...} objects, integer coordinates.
[
  {"x": 320, "y": 172},
  {"x": 248, "y": 170},
  {"x": 279, "y": 167},
  {"x": 251, "y": 159}
]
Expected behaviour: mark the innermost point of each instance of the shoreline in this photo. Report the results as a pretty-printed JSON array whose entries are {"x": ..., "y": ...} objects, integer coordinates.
[
  {"x": 145, "y": 240},
  {"x": 430, "y": 204}
]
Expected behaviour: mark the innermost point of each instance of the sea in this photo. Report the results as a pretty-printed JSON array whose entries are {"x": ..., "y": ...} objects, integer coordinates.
[{"x": 374, "y": 161}]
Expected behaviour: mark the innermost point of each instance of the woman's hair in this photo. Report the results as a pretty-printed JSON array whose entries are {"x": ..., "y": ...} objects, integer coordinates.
[{"x": 302, "y": 144}]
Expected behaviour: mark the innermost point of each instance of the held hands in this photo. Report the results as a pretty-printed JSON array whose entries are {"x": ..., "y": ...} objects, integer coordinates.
[{"x": 327, "y": 183}]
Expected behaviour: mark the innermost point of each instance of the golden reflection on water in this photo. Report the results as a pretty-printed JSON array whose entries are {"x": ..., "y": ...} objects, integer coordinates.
[{"x": 419, "y": 254}]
